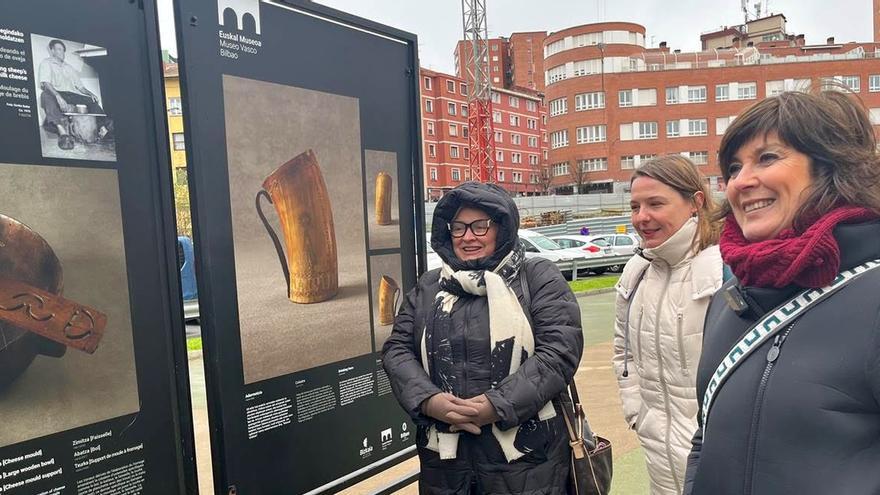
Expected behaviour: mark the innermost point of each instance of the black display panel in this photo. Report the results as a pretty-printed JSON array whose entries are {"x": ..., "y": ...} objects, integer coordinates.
[
  {"x": 302, "y": 127},
  {"x": 93, "y": 376}
]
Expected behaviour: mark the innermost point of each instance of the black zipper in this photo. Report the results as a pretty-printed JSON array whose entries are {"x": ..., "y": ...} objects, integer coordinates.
[
  {"x": 772, "y": 356},
  {"x": 465, "y": 387}
]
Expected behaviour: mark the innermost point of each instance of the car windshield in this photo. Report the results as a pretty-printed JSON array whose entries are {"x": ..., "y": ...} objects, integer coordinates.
[{"x": 544, "y": 243}]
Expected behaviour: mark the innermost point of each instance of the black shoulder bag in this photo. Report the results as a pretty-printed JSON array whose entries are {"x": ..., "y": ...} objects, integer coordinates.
[{"x": 591, "y": 466}]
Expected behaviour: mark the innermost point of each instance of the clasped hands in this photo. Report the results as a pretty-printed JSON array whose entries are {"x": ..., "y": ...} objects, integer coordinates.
[{"x": 461, "y": 414}]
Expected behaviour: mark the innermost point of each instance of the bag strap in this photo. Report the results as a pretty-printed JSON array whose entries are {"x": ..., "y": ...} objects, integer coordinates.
[{"x": 772, "y": 323}]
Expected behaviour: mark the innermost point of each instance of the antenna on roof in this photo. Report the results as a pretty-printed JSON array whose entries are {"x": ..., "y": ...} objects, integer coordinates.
[{"x": 745, "y": 9}]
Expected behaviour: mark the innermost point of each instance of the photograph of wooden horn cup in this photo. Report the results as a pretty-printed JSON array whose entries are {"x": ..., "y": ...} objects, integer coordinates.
[
  {"x": 34, "y": 317},
  {"x": 383, "y": 198},
  {"x": 298, "y": 192},
  {"x": 389, "y": 293}
]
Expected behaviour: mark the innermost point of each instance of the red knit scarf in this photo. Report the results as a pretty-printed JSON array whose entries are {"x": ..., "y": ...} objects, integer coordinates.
[{"x": 811, "y": 259}]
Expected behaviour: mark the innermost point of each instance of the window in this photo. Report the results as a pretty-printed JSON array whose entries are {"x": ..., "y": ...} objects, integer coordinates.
[
  {"x": 456, "y": 175},
  {"x": 432, "y": 150},
  {"x": 496, "y": 79},
  {"x": 531, "y": 123},
  {"x": 516, "y": 158},
  {"x": 464, "y": 110},
  {"x": 558, "y": 106},
  {"x": 513, "y": 101},
  {"x": 555, "y": 47},
  {"x": 672, "y": 128},
  {"x": 496, "y": 116},
  {"x": 463, "y": 88},
  {"x": 584, "y": 67},
  {"x": 517, "y": 177},
  {"x": 697, "y": 127},
  {"x": 722, "y": 92},
  {"x": 697, "y": 94},
  {"x": 533, "y": 178},
  {"x": 627, "y": 162},
  {"x": 591, "y": 134},
  {"x": 499, "y": 155},
  {"x": 433, "y": 174},
  {"x": 747, "y": 91},
  {"x": 429, "y": 106},
  {"x": 428, "y": 83},
  {"x": 499, "y": 137},
  {"x": 179, "y": 144},
  {"x": 851, "y": 82},
  {"x": 672, "y": 96},
  {"x": 721, "y": 124},
  {"x": 546, "y": 154},
  {"x": 450, "y": 86},
  {"x": 589, "y": 101},
  {"x": 453, "y": 151},
  {"x": 514, "y": 120},
  {"x": 466, "y": 152},
  {"x": 495, "y": 57},
  {"x": 494, "y": 47},
  {"x": 174, "y": 107},
  {"x": 556, "y": 74},
  {"x": 531, "y": 106},
  {"x": 451, "y": 108},
  {"x": 429, "y": 128},
  {"x": 647, "y": 130},
  {"x": 560, "y": 169},
  {"x": 496, "y": 97},
  {"x": 533, "y": 141},
  {"x": 501, "y": 176},
  {"x": 874, "y": 83},
  {"x": 774, "y": 88},
  {"x": 464, "y": 131},
  {"x": 699, "y": 157},
  {"x": 558, "y": 139},
  {"x": 533, "y": 159},
  {"x": 453, "y": 129},
  {"x": 625, "y": 98},
  {"x": 515, "y": 139},
  {"x": 593, "y": 164}
]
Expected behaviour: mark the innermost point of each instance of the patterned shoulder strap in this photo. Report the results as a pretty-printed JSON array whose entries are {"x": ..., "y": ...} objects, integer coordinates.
[{"x": 770, "y": 325}]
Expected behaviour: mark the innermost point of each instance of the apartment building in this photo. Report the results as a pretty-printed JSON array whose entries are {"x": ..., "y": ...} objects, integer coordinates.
[
  {"x": 518, "y": 117},
  {"x": 613, "y": 102}
]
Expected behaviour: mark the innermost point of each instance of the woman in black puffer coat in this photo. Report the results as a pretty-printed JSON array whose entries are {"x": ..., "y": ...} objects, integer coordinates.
[{"x": 477, "y": 374}]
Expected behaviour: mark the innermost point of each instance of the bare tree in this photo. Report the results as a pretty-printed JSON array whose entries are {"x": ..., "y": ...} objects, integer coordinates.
[
  {"x": 578, "y": 175},
  {"x": 545, "y": 179}
]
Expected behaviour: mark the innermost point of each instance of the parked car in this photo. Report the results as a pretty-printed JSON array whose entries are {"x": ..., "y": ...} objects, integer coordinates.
[
  {"x": 583, "y": 243},
  {"x": 189, "y": 289},
  {"x": 538, "y": 245},
  {"x": 620, "y": 244},
  {"x": 434, "y": 260}
]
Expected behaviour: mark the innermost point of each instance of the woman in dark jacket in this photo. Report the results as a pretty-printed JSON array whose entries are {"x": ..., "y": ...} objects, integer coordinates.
[
  {"x": 477, "y": 373},
  {"x": 792, "y": 405}
]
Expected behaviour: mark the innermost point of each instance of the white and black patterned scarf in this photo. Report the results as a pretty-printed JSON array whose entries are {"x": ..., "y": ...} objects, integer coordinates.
[{"x": 511, "y": 338}]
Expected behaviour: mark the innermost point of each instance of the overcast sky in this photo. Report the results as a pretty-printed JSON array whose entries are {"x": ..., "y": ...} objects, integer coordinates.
[{"x": 678, "y": 22}]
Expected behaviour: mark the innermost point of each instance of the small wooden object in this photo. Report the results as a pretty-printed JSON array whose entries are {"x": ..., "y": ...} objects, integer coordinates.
[
  {"x": 383, "y": 199},
  {"x": 389, "y": 291}
]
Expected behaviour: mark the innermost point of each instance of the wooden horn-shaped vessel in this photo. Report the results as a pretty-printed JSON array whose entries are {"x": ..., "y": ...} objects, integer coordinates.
[
  {"x": 299, "y": 195},
  {"x": 389, "y": 291},
  {"x": 383, "y": 199}
]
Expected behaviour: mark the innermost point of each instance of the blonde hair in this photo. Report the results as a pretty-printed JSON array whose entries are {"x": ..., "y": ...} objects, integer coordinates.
[{"x": 682, "y": 175}]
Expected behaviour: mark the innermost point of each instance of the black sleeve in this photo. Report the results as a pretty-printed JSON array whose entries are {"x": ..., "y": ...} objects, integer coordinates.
[
  {"x": 693, "y": 462},
  {"x": 559, "y": 343},
  {"x": 410, "y": 382}
]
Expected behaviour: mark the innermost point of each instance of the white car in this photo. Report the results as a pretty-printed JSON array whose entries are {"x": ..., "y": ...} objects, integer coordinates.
[
  {"x": 619, "y": 243},
  {"x": 539, "y": 245},
  {"x": 434, "y": 260},
  {"x": 584, "y": 243}
]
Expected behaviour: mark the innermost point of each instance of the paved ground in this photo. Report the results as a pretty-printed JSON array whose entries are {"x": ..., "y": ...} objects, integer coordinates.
[{"x": 596, "y": 384}]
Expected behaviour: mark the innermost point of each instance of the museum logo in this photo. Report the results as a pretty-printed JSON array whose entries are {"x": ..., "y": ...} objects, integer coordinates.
[
  {"x": 239, "y": 31},
  {"x": 404, "y": 433},
  {"x": 367, "y": 448}
]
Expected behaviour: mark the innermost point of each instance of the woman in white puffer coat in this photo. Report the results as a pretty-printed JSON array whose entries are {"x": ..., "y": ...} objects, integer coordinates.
[{"x": 662, "y": 298}]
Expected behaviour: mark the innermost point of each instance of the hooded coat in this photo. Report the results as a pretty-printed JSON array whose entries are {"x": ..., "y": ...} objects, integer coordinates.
[
  {"x": 658, "y": 336},
  {"x": 480, "y": 465}
]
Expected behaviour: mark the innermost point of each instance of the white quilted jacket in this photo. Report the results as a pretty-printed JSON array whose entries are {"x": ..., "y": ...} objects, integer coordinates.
[{"x": 665, "y": 330}]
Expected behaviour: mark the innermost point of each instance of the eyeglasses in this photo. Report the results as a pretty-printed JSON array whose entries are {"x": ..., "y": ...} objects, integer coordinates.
[{"x": 478, "y": 227}]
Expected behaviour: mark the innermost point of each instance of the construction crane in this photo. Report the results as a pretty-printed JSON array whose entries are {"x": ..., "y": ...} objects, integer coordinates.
[{"x": 481, "y": 133}]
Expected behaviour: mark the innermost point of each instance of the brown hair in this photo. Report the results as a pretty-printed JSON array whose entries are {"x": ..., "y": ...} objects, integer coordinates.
[
  {"x": 833, "y": 130},
  {"x": 682, "y": 175}
]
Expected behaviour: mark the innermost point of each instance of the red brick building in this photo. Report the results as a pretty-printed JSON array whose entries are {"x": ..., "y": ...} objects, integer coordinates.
[
  {"x": 520, "y": 141},
  {"x": 612, "y": 102},
  {"x": 515, "y": 62}
]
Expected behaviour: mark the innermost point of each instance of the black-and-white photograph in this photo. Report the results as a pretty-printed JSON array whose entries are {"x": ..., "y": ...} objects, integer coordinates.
[{"x": 73, "y": 119}]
